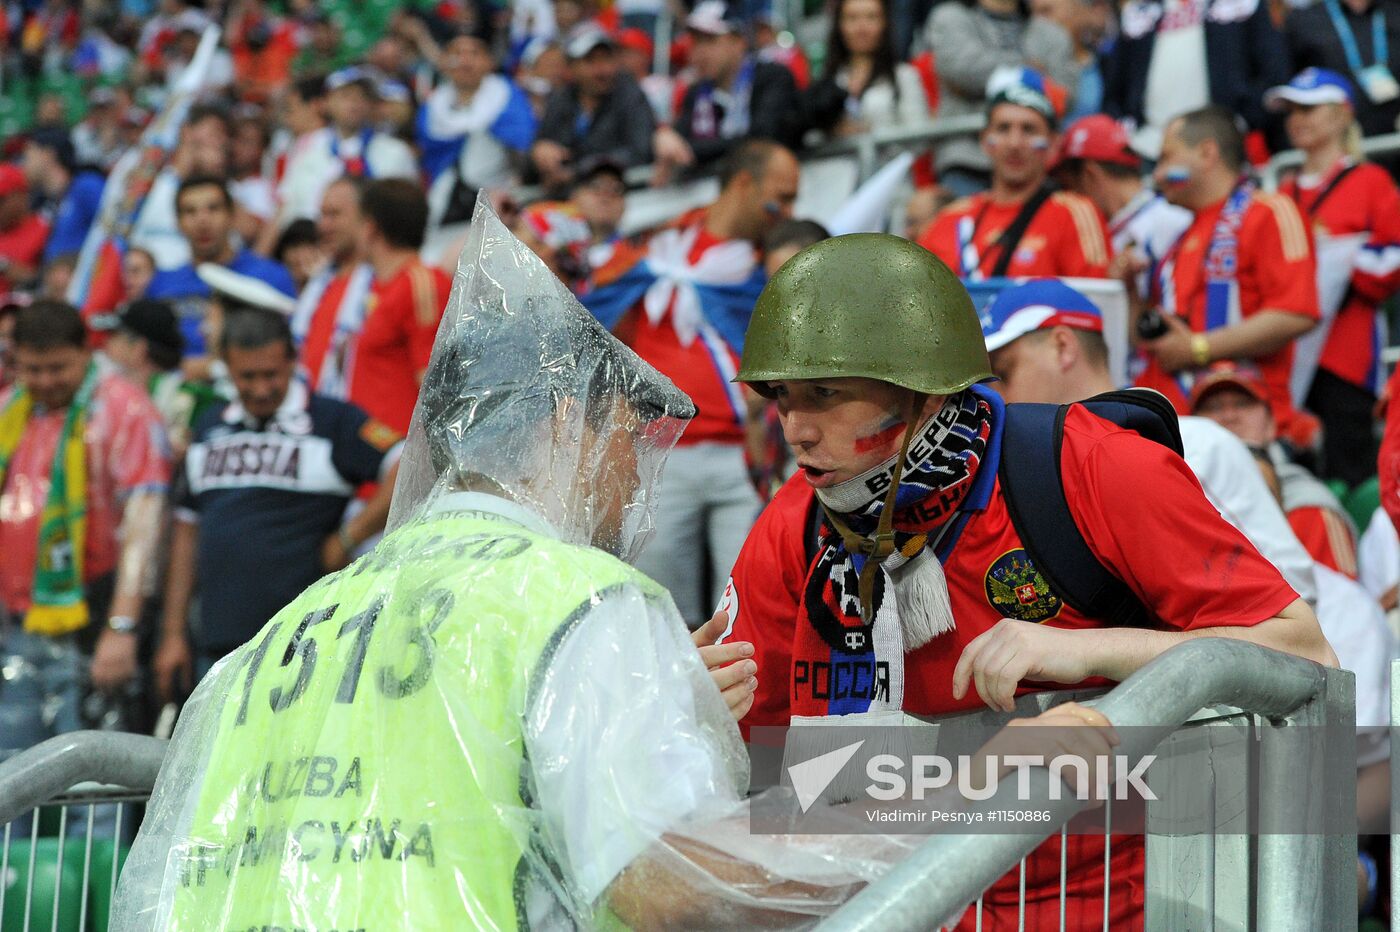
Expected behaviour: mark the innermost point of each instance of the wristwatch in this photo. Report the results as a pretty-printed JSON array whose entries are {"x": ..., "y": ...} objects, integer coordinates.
[
  {"x": 1200, "y": 350},
  {"x": 123, "y": 624}
]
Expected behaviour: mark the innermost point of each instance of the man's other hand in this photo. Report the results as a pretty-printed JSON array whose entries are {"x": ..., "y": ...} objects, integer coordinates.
[{"x": 734, "y": 674}]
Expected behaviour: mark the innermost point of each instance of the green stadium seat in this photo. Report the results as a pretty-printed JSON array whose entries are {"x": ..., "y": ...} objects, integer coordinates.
[
  {"x": 47, "y": 879},
  {"x": 1362, "y": 502},
  {"x": 100, "y": 886}
]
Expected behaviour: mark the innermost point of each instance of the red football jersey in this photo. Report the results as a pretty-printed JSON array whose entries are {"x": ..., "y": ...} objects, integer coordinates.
[
  {"x": 1066, "y": 237},
  {"x": 1275, "y": 270},
  {"x": 1388, "y": 464},
  {"x": 1218, "y": 580},
  {"x": 393, "y": 349}
]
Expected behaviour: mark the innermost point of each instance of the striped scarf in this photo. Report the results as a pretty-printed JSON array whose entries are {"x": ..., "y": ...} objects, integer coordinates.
[
  {"x": 940, "y": 465},
  {"x": 58, "y": 606}
]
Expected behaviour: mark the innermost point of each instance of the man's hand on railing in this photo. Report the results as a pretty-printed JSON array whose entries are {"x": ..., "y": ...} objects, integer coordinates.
[
  {"x": 1069, "y": 730},
  {"x": 997, "y": 660}
]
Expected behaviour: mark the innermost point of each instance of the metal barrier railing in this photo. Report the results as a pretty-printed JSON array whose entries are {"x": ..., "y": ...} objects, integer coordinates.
[
  {"x": 1210, "y": 686},
  {"x": 1272, "y": 882},
  {"x": 66, "y": 810}
]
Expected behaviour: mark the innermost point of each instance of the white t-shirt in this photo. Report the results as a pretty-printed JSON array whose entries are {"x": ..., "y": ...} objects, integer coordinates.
[
  {"x": 1378, "y": 555},
  {"x": 1176, "y": 77},
  {"x": 1231, "y": 480},
  {"x": 1356, "y": 628},
  {"x": 1148, "y": 225},
  {"x": 311, "y": 169}
]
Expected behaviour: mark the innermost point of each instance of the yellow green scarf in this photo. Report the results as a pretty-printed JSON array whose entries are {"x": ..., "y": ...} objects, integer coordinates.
[{"x": 58, "y": 606}]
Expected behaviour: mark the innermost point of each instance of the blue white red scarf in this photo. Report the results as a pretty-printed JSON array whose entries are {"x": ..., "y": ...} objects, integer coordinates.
[{"x": 1223, "y": 259}]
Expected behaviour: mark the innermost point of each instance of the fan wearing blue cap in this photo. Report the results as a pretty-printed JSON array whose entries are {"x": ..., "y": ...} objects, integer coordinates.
[
  {"x": 1021, "y": 226},
  {"x": 1343, "y": 198},
  {"x": 1047, "y": 347},
  {"x": 1046, "y": 344}
]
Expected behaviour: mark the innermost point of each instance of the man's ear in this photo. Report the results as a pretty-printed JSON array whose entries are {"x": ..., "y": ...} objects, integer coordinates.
[
  {"x": 1209, "y": 150},
  {"x": 1067, "y": 348}
]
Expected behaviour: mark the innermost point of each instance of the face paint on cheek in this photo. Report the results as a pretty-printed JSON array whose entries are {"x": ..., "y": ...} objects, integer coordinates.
[
  {"x": 1176, "y": 175},
  {"x": 887, "y": 433}
]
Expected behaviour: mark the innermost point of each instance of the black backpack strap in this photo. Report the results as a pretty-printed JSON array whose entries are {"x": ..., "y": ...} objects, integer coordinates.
[
  {"x": 1033, "y": 488},
  {"x": 1011, "y": 236},
  {"x": 1142, "y": 410},
  {"x": 1332, "y": 185}
]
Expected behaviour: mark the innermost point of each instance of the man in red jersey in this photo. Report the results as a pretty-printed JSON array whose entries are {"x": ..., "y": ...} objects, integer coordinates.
[
  {"x": 898, "y": 447},
  {"x": 331, "y": 309},
  {"x": 1021, "y": 226},
  {"x": 1241, "y": 282},
  {"x": 405, "y": 304},
  {"x": 681, "y": 301},
  {"x": 23, "y": 233}
]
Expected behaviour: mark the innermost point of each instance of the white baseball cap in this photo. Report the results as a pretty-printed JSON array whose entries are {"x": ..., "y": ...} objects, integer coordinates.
[{"x": 244, "y": 288}]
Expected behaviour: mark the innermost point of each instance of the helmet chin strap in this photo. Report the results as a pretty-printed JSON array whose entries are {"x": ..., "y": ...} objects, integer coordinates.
[{"x": 881, "y": 544}]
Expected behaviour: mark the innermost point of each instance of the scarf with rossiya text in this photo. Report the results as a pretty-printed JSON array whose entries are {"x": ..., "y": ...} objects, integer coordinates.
[{"x": 845, "y": 663}]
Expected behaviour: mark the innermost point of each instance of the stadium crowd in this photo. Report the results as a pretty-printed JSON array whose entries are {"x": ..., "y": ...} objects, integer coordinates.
[{"x": 223, "y": 263}]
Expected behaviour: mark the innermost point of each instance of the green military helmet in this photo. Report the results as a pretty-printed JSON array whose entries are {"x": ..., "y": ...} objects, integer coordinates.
[{"x": 866, "y": 304}]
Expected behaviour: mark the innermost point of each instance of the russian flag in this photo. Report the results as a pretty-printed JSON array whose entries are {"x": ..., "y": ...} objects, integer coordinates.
[{"x": 97, "y": 286}]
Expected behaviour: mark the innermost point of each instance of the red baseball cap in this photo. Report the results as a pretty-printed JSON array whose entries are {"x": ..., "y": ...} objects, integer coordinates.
[
  {"x": 1242, "y": 376},
  {"x": 1096, "y": 138},
  {"x": 637, "y": 40},
  {"x": 12, "y": 180}
]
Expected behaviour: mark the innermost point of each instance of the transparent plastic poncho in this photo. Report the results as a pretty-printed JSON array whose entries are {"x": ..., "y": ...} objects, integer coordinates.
[{"x": 489, "y": 721}]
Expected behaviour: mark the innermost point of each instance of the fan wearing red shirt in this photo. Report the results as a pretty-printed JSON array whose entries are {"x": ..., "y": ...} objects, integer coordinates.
[
  {"x": 331, "y": 308},
  {"x": 405, "y": 304},
  {"x": 1065, "y": 235},
  {"x": 1241, "y": 282},
  {"x": 909, "y": 428},
  {"x": 22, "y": 233},
  {"x": 1344, "y": 199}
]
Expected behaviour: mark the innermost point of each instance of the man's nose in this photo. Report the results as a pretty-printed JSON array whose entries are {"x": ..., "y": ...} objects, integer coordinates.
[{"x": 799, "y": 430}]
